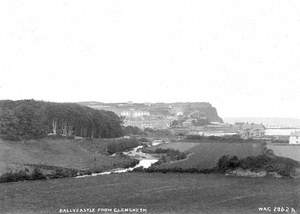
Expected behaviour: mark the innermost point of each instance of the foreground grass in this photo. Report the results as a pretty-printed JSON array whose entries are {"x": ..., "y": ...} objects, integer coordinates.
[{"x": 158, "y": 193}]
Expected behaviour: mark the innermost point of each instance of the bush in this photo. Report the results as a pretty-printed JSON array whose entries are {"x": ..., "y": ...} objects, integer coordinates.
[
  {"x": 14, "y": 176},
  {"x": 161, "y": 150},
  {"x": 132, "y": 130},
  {"x": 139, "y": 169},
  {"x": 122, "y": 145},
  {"x": 253, "y": 163},
  {"x": 227, "y": 162},
  {"x": 178, "y": 170},
  {"x": 22, "y": 175},
  {"x": 37, "y": 175},
  {"x": 64, "y": 173},
  {"x": 283, "y": 166},
  {"x": 227, "y": 139},
  {"x": 168, "y": 155},
  {"x": 144, "y": 140},
  {"x": 176, "y": 155},
  {"x": 157, "y": 132}
]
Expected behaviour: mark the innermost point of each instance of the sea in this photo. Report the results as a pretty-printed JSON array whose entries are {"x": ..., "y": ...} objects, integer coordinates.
[{"x": 280, "y": 132}]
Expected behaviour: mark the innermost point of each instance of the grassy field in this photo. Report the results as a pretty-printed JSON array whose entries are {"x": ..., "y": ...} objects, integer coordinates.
[
  {"x": 180, "y": 146},
  {"x": 83, "y": 154},
  {"x": 158, "y": 193},
  {"x": 286, "y": 150},
  {"x": 206, "y": 155}
]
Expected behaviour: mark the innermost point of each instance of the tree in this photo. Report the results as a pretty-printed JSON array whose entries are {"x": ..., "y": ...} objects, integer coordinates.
[{"x": 25, "y": 119}]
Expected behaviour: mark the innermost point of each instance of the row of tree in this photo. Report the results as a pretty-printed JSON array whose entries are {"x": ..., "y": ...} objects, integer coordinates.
[{"x": 27, "y": 119}]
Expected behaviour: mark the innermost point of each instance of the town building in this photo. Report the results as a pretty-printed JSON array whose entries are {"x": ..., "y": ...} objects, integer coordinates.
[
  {"x": 134, "y": 113},
  {"x": 188, "y": 123},
  {"x": 250, "y": 130},
  {"x": 148, "y": 122},
  {"x": 295, "y": 138}
]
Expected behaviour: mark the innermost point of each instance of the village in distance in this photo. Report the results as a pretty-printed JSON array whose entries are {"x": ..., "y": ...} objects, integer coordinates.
[{"x": 173, "y": 150}]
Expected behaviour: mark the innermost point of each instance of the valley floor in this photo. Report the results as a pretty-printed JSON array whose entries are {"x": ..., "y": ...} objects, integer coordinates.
[{"x": 156, "y": 192}]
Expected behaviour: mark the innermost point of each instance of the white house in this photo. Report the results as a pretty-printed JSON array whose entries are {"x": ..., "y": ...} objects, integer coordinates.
[{"x": 295, "y": 138}]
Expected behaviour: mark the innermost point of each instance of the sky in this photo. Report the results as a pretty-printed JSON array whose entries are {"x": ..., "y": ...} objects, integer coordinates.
[{"x": 241, "y": 56}]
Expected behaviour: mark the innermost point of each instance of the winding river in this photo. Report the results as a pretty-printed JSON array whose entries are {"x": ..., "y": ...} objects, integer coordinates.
[{"x": 145, "y": 161}]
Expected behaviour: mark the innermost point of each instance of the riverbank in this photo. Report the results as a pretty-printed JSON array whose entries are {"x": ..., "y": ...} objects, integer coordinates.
[
  {"x": 60, "y": 157},
  {"x": 142, "y": 161}
]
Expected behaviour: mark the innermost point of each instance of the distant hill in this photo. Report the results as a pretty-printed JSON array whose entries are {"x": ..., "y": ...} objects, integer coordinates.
[
  {"x": 204, "y": 109},
  {"x": 269, "y": 122}
]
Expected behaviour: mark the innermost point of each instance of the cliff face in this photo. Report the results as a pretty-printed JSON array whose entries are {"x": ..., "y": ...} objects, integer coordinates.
[{"x": 202, "y": 109}]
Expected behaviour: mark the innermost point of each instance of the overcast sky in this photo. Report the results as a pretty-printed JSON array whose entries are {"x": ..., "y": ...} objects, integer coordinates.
[{"x": 241, "y": 56}]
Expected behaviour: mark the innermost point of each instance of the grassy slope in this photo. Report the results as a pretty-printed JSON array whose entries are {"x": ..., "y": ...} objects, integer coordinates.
[
  {"x": 206, "y": 155},
  {"x": 159, "y": 193},
  {"x": 182, "y": 147},
  {"x": 286, "y": 150},
  {"x": 61, "y": 152}
]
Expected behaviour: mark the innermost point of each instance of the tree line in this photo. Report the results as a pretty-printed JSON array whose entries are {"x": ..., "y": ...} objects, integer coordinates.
[{"x": 29, "y": 119}]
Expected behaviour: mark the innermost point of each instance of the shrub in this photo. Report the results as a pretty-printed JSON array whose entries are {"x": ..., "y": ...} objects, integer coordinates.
[
  {"x": 161, "y": 150},
  {"x": 22, "y": 175},
  {"x": 227, "y": 162},
  {"x": 132, "y": 130},
  {"x": 122, "y": 145},
  {"x": 37, "y": 175},
  {"x": 168, "y": 155},
  {"x": 257, "y": 162},
  {"x": 176, "y": 155},
  {"x": 62, "y": 173},
  {"x": 144, "y": 140},
  {"x": 283, "y": 166},
  {"x": 157, "y": 132},
  {"x": 14, "y": 176},
  {"x": 139, "y": 169}
]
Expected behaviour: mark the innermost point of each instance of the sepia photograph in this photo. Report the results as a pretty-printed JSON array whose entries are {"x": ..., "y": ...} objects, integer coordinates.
[{"x": 149, "y": 107}]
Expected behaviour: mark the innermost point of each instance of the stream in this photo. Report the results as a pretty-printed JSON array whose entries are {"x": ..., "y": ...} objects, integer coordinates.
[{"x": 145, "y": 161}]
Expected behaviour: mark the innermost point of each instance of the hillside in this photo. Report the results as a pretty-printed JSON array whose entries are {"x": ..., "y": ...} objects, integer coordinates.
[
  {"x": 204, "y": 109},
  {"x": 72, "y": 154},
  {"x": 205, "y": 155}
]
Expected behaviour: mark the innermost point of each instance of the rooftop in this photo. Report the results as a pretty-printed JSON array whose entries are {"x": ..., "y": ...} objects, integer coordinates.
[{"x": 296, "y": 133}]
